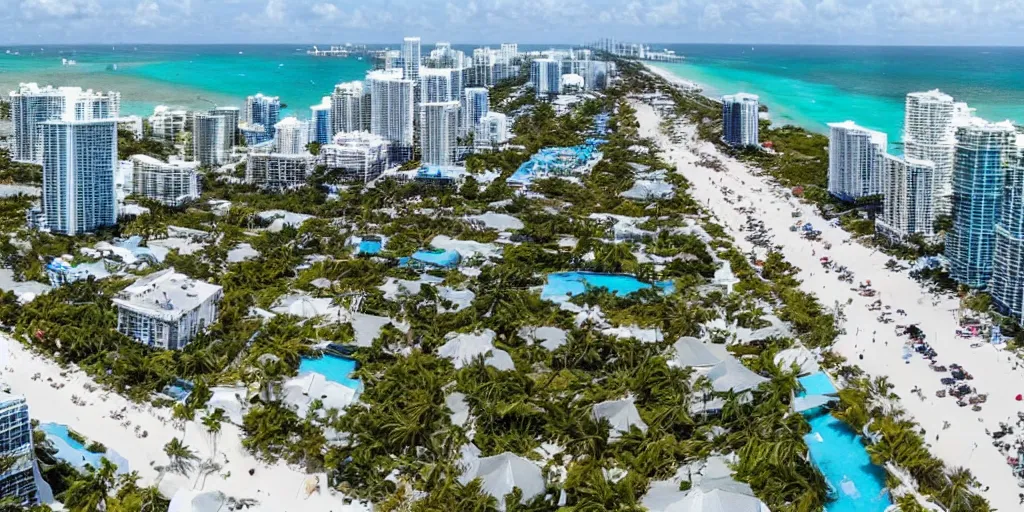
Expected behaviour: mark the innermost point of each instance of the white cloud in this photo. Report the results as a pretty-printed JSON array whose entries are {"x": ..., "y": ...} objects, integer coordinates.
[
  {"x": 274, "y": 10},
  {"x": 326, "y": 11},
  {"x": 147, "y": 14},
  {"x": 59, "y": 8}
]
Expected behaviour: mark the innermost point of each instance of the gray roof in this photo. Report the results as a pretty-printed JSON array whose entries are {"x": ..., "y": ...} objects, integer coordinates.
[
  {"x": 502, "y": 473},
  {"x": 731, "y": 375},
  {"x": 694, "y": 352},
  {"x": 622, "y": 414}
]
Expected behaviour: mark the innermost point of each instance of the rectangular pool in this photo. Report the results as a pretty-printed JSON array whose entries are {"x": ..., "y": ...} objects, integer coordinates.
[{"x": 333, "y": 368}]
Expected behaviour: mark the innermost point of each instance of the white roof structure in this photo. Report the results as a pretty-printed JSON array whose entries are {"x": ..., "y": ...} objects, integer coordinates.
[
  {"x": 299, "y": 392},
  {"x": 691, "y": 351},
  {"x": 460, "y": 409},
  {"x": 622, "y": 415},
  {"x": 230, "y": 400},
  {"x": 166, "y": 295},
  {"x": 281, "y": 218},
  {"x": 186, "y": 500},
  {"x": 801, "y": 357},
  {"x": 731, "y": 375},
  {"x": 662, "y": 498},
  {"x": 549, "y": 337},
  {"x": 463, "y": 348},
  {"x": 502, "y": 473},
  {"x": 806, "y": 403},
  {"x": 306, "y": 306},
  {"x": 465, "y": 248},
  {"x": 498, "y": 221},
  {"x": 646, "y": 190}
]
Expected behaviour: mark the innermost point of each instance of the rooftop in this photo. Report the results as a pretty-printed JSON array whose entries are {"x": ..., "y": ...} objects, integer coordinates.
[{"x": 166, "y": 294}]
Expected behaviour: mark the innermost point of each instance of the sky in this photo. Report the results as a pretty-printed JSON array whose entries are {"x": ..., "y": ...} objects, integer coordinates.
[{"x": 896, "y": 22}]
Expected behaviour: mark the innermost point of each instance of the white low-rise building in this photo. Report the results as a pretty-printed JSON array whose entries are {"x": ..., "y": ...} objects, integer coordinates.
[
  {"x": 172, "y": 183},
  {"x": 167, "y": 309},
  {"x": 278, "y": 170},
  {"x": 362, "y": 156}
]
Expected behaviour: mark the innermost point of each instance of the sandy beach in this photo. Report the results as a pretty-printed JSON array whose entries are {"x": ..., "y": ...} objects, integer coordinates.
[
  {"x": 275, "y": 487},
  {"x": 964, "y": 442}
]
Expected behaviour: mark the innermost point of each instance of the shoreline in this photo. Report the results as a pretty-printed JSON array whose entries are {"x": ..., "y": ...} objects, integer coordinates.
[
  {"x": 275, "y": 486},
  {"x": 965, "y": 442}
]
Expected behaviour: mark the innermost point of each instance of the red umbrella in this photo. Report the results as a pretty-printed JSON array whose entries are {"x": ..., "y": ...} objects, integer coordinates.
[{"x": 1020, "y": 397}]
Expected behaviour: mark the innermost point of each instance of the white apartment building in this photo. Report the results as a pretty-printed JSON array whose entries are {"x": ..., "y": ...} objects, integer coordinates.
[
  {"x": 493, "y": 129},
  {"x": 436, "y": 85},
  {"x": 211, "y": 139},
  {"x": 172, "y": 183},
  {"x": 439, "y": 132},
  {"x": 391, "y": 110},
  {"x": 32, "y": 105},
  {"x": 166, "y": 124},
  {"x": 740, "y": 119},
  {"x": 350, "y": 108},
  {"x": 929, "y": 133},
  {"x": 79, "y": 163},
  {"x": 278, "y": 171},
  {"x": 411, "y": 58},
  {"x": 362, "y": 156},
  {"x": 545, "y": 76},
  {"x": 476, "y": 104},
  {"x": 167, "y": 309},
  {"x": 291, "y": 136},
  {"x": 908, "y": 203},
  {"x": 855, "y": 164},
  {"x": 132, "y": 124},
  {"x": 232, "y": 119}
]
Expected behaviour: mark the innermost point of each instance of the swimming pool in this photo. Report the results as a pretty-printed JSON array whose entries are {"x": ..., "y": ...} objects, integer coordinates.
[
  {"x": 837, "y": 451},
  {"x": 563, "y": 285},
  {"x": 334, "y": 368},
  {"x": 74, "y": 453},
  {"x": 370, "y": 247}
]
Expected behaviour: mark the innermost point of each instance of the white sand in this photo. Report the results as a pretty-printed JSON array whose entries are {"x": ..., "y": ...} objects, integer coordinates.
[
  {"x": 277, "y": 487},
  {"x": 964, "y": 443}
]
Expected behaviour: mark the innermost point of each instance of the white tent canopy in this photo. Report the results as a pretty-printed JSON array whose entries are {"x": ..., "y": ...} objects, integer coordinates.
[
  {"x": 301, "y": 391},
  {"x": 731, "y": 375},
  {"x": 502, "y": 473},
  {"x": 691, "y": 351},
  {"x": 662, "y": 498},
  {"x": 463, "y": 348},
  {"x": 801, "y": 357},
  {"x": 186, "y": 500},
  {"x": 622, "y": 414}
]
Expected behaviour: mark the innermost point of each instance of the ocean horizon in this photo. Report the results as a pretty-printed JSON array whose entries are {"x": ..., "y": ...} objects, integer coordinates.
[{"x": 804, "y": 85}]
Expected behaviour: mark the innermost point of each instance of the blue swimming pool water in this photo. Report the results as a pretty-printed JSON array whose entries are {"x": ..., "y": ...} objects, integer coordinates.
[
  {"x": 817, "y": 384},
  {"x": 369, "y": 247},
  {"x": 74, "y": 453},
  {"x": 439, "y": 258},
  {"x": 562, "y": 285},
  {"x": 334, "y": 368},
  {"x": 839, "y": 454}
]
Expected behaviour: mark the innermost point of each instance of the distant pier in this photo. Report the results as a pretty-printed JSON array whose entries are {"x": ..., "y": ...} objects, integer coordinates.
[{"x": 635, "y": 51}]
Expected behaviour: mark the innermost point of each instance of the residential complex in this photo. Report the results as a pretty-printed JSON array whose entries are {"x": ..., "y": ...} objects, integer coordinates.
[
  {"x": 1007, "y": 288},
  {"x": 167, "y": 309},
  {"x": 291, "y": 136},
  {"x": 350, "y": 108},
  {"x": 929, "y": 133},
  {"x": 278, "y": 171},
  {"x": 493, "y": 128},
  {"x": 18, "y": 480},
  {"x": 908, "y": 206},
  {"x": 232, "y": 118},
  {"x": 321, "y": 130},
  {"x": 391, "y": 111},
  {"x": 361, "y": 156},
  {"x": 32, "y": 105},
  {"x": 436, "y": 85},
  {"x": 438, "y": 132},
  {"x": 411, "y": 58},
  {"x": 855, "y": 163},
  {"x": 983, "y": 152},
  {"x": 79, "y": 161},
  {"x": 172, "y": 183},
  {"x": 740, "y": 119}
]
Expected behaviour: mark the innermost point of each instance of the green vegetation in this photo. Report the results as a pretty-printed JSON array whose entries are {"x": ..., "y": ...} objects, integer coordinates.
[
  {"x": 17, "y": 172},
  {"x": 128, "y": 145}
]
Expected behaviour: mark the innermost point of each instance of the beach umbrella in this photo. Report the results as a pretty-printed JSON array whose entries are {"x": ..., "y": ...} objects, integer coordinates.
[
  {"x": 502, "y": 473},
  {"x": 1019, "y": 397}
]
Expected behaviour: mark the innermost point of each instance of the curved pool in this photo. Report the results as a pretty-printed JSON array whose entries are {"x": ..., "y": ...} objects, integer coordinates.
[
  {"x": 563, "y": 285},
  {"x": 74, "y": 452}
]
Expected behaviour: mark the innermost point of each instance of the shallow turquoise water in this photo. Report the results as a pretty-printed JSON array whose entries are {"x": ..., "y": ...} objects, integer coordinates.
[
  {"x": 562, "y": 285},
  {"x": 813, "y": 85},
  {"x": 194, "y": 77},
  {"x": 334, "y": 368}
]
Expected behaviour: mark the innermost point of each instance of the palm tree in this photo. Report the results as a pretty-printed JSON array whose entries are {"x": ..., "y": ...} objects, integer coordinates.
[
  {"x": 956, "y": 494},
  {"x": 89, "y": 493},
  {"x": 212, "y": 423},
  {"x": 180, "y": 456}
]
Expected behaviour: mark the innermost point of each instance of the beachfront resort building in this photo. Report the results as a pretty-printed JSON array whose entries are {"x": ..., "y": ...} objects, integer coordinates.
[
  {"x": 291, "y": 136},
  {"x": 166, "y": 309},
  {"x": 172, "y": 183},
  {"x": 983, "y": 153},
  {"x": 232, "y": 117},
  {"x": 320, "y": 122},
  {"x": 439, "y": 132},
  {"x": 476, "y": 104},
  {"x": 739, "y": 119},
  {"x": 260, "y": 116},
  {"x": 855, "y": 163},
  {"x": 32, "y": 105},
  {"x": 929, "y": 133},
  {"x": 350, "y": 108},
  {"x": 1007, "y": 288},
  {"x": 545, "y": 76},
  {"x": 211, "y": 139},
  {"x": 361, "y": 156},
  {"x": 17, "y": 481},
  {"x": 411, "y": 58},
  {"x": 439, "y": 84},
  {"x": 79, "y": 163},
  {"x": 278, "y": 171},
  {"x": 165, "y": 124},
  {"x": 492, "y": 129},
  {"x": 391, "y": 111},
  {"x": 132, "y": 124},
  {"x": 908, "y": 207}
]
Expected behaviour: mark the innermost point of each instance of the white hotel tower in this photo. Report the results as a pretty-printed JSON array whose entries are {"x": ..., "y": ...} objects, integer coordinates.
[
  {"x": 855, "y": 161},
  {"x": 439, "y": 123},
  {"x": 411, "y": 58},
  {"x": 929, "y": 133},
  {"x": 391, "y": 110},
  {"x": 908, "y": 206},
  {"x": 350, "y": 108},
  {"x": 32, "y": 105}
]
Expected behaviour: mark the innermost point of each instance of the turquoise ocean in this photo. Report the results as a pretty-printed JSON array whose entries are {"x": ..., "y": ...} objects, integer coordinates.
[
  {"x": 191, "y": 76},
  {"x": 810, "y": 86},
  {"x": 804, "y": 85}
]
